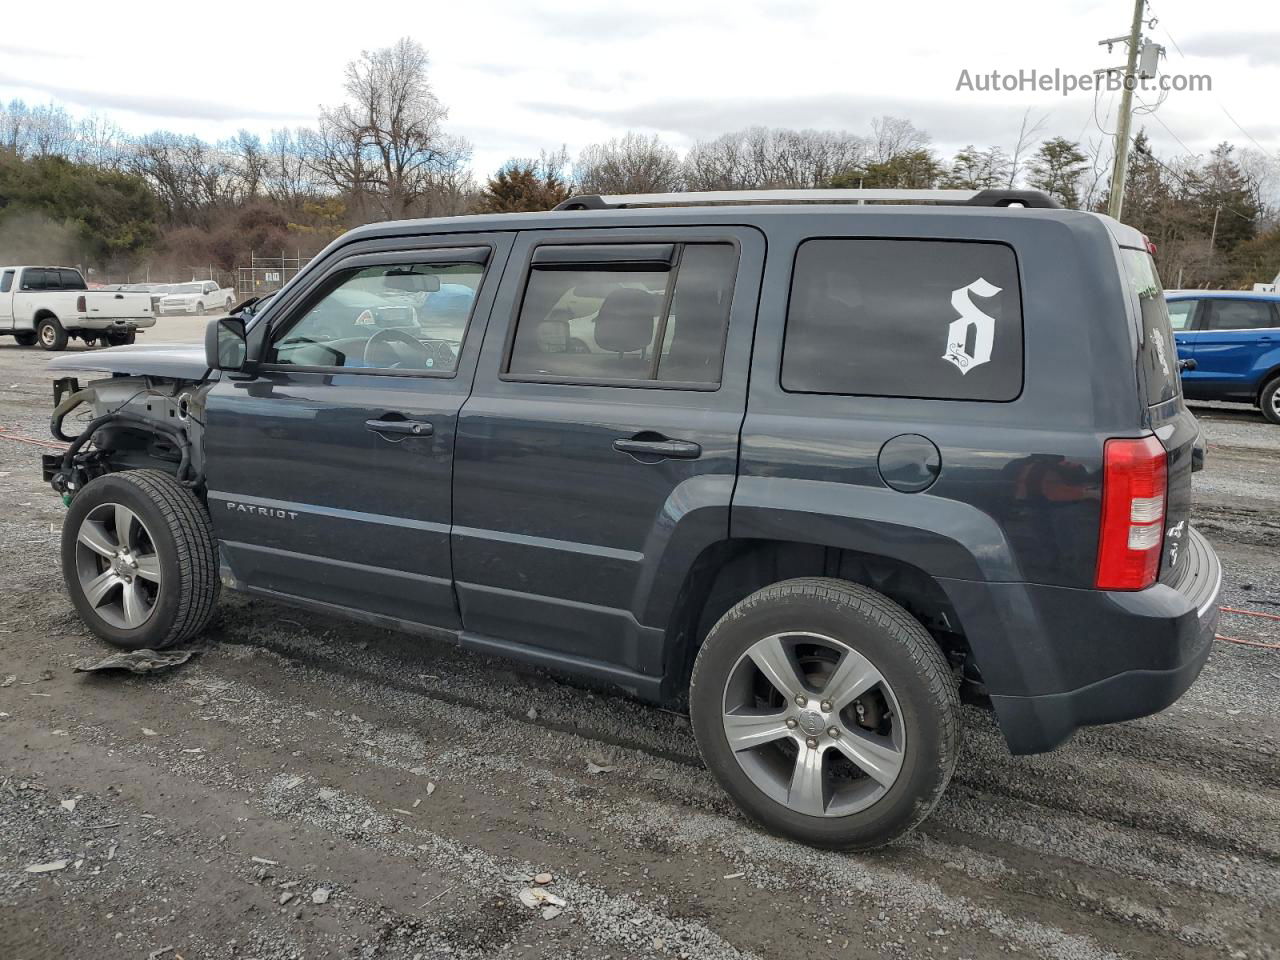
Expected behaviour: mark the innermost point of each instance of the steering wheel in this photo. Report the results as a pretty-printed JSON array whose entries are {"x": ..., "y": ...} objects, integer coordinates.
[{"x": 388, "y": 336}]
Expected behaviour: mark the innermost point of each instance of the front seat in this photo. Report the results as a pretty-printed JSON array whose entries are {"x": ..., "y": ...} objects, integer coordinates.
[{"x": 625, "y": 325}]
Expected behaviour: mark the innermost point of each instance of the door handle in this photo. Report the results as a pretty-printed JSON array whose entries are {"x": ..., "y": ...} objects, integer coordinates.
[
  {"x": 662, "y": 448},
  {"x": 408, "y": 428}
]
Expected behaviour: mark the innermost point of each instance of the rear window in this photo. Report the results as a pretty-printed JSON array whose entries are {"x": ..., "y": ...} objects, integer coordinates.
[
  {"x": 1157, "y": 356},
  {"x": 936, "y": 319}
]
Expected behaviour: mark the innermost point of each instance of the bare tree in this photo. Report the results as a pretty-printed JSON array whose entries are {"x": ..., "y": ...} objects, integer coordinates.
[
  {"x": 894, "y": 137},
  {"x": 1027, "y": 134},
  {"x": 634, "y": 164},
  {"x": 387, "y": 141},
  {"x": 760, "y": 158}
]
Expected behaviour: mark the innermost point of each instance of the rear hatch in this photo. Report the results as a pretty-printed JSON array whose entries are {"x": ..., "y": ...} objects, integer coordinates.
[{"x": 1173, "y": 424}]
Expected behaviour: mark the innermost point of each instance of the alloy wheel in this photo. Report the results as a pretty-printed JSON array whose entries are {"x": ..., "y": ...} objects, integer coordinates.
[
  {"x": 117, "y": 566},
  {"x": 813, "y": 724}
]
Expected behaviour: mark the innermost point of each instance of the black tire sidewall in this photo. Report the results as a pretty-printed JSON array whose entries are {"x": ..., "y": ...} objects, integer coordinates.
[
  {"x": 925, "y": 770},
  {"x": 113, "y": 489},
  {"x": 59, "y": 334},
  {"x": 1267, "y": 401}
]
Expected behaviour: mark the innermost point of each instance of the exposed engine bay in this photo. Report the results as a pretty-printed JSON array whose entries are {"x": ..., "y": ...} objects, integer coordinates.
[{"x": 132, "y": 422}]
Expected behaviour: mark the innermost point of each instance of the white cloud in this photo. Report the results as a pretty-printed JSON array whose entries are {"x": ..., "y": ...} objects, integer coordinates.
[{"x": 520, "y": 75}]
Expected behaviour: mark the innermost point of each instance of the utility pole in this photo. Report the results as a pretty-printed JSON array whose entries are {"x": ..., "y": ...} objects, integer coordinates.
[{"x": 1119, "y": 172}]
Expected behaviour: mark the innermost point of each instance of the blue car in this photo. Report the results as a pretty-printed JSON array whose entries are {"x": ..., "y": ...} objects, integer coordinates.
[{"x": 1233, "y": 337}]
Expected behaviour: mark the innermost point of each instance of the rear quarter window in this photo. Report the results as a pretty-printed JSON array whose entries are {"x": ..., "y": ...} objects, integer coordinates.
[
  {"x": 935, "y": 319},
  {"x": 1157, "y": 356}
]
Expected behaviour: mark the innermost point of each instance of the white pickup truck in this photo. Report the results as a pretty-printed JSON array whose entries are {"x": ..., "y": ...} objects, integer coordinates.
[
  {"x": 50, "y": 305},
  {"x": 196, "y": 298}
]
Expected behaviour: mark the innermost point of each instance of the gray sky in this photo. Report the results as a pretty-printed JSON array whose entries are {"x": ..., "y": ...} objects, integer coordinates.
[{"x": 520, "y": 76}]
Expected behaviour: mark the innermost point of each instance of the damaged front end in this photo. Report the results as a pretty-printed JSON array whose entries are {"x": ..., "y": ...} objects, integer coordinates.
[{"x": 132, "y": 422}]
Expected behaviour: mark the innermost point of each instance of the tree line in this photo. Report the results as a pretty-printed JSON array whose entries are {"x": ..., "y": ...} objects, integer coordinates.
[{"x": 82, "y": 190}]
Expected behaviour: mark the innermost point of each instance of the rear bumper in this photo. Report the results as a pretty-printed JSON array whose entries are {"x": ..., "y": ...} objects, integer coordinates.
[
  {"x": 1058, "y": 658},
  {"x": 129, "y": 323}
]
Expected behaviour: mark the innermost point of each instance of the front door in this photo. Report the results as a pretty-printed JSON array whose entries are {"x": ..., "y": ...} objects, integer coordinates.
[
  {"x": 597, "y": 454},
  {"x": 329, "y": 471}
]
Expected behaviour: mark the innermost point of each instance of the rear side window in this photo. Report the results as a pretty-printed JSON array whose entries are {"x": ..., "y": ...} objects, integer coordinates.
[
  {"x": 659, "y": 316},
  {"x": 70, "y": 280},
  {"x": 1157, "y": 355},
  {"x": 33, "y": 280},
  {"x": 6, "y": 281},
  {"x": 1240, "y": 315},
  {"x": 904, "y": 318}
]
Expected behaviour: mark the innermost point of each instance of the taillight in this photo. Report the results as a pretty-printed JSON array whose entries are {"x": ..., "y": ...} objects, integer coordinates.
[
  {"x": 1135, "y": 480},
  {"x": 80, "y": 305}
]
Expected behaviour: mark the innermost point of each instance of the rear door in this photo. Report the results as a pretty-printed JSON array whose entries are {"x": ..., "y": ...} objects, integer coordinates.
[
  {"x": 1235, "y": 331},
  {"x": 597, "y": 454},
  {"x": 329, "y": 470}
]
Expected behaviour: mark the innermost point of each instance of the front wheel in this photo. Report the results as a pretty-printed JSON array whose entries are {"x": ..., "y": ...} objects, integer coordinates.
[
  {"x": 51, "y": 335},
  {"x": 139, "y": 561},
  {"x": 200, "y": 309},
  {"x": 827, "y": 712},
  {"x": 1269, "y": 401}
]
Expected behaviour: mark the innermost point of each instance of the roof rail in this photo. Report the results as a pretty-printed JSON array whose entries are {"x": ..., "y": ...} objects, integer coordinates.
[{"x": 699, "y": 198}]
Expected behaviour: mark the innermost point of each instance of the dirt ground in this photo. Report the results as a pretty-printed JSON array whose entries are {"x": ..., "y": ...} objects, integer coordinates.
[{"x": 310, "y": 788}]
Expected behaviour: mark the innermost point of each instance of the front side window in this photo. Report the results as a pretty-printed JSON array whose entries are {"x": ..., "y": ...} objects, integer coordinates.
[
  {"x": 1181, "y": 313},
  {"x": 1240, "y": 315},
  {"x": 638, "y": 320},
  {"x": 932, "y": 319},
  {"x": 405, "y": 317}
]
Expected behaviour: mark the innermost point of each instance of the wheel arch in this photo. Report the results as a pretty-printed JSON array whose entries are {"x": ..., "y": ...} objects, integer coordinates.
[{"x": 731, "y": 570}]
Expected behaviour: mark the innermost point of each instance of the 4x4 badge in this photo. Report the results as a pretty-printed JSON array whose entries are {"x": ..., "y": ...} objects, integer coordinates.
[{"x": 970, "y": 316}]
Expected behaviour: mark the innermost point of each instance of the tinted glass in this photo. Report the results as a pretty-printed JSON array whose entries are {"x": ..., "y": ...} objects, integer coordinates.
[
  {"x": 70, "y": 280},
  {"x": 390, "y": 317},
  {"x": 33, "y": 279},
  {"x": 1157, "y": 355},
  {"x": 904, "y": 318},
  {"x": 600, "y": 322},
  {"x": 6, "y": 281},
  {"x": 1240, "y": 315},
  {"x": 1181, "y": 312}
]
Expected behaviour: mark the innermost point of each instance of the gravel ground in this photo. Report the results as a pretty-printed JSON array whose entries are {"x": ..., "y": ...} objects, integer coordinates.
[{"x": 310, "y": 788}]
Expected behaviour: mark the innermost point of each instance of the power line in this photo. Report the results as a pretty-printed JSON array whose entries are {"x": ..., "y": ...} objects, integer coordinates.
[{"x": 1221, "y": 106}]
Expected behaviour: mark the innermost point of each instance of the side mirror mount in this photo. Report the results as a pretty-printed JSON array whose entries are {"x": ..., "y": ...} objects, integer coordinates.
[{"x": 225, "y": 345}]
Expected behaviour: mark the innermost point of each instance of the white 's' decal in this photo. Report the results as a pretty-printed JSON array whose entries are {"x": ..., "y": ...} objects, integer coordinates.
[
  {"x": 1161, "y": 356},
  {"x": 970, "y": 316}
]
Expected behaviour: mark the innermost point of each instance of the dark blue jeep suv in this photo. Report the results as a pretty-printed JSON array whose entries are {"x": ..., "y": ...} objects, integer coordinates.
[{"x": 809, "y": 467}]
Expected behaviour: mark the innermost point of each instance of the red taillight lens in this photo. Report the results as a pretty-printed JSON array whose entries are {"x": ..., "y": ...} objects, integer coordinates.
[
  {"x": 1135, "y": 480},
  {"x": 80, "y": 305}
]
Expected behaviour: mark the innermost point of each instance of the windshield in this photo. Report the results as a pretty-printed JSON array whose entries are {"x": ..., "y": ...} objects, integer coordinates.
[{"x": 1157, "y": 355}]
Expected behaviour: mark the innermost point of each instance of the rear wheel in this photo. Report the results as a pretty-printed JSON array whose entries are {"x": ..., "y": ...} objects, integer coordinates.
[
  {"x": 26, "y": 339},
  {"x": 50, "y": 334},
  {"x": 139, "y": 561},
  {"x": 827, "y": 712},
  {"x": 1269, "y": 400}
]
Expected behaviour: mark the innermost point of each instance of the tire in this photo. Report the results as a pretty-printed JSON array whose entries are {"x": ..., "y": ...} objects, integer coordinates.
[
  {"x": 914, "y": 706},
  {"x": 122, "y": 339},
  {"x": 50, "y": 334},
  {"x": 200, "y": 310},
  {"x": 26, "y": 339},
  {"x": 173, "y": 578},
  {"x": 1269, "y": 400}
]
